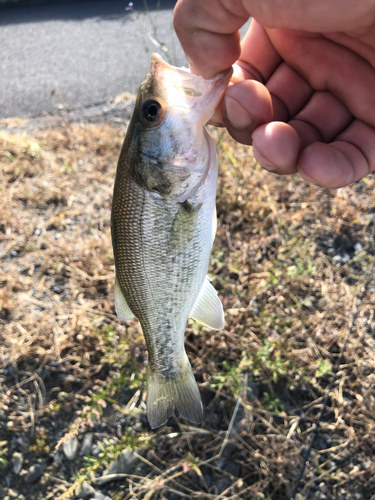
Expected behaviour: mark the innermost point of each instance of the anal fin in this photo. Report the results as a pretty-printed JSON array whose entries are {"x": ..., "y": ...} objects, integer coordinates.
[
  {"x": 208, "y": 308},
  {"x": 122, "y": 309}
]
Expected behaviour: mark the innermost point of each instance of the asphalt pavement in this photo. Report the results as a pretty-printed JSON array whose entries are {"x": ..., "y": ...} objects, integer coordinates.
[{"x": 77, "y": 54}]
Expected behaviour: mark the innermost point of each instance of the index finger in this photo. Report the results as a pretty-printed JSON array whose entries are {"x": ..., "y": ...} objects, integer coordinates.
[{"x": 209, "y": 33}]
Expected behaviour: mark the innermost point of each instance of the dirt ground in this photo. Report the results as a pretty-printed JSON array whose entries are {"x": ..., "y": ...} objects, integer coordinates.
[{"x": 290, "y": 263}]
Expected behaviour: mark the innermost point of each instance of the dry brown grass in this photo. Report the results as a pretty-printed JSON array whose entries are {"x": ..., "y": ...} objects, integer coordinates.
[
  {"x": 289, "y": 261},
  {"x": 55, "y": 214}
]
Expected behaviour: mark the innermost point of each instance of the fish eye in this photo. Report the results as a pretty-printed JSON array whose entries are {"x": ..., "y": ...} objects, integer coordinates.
[{"x": 151, "y": 111}]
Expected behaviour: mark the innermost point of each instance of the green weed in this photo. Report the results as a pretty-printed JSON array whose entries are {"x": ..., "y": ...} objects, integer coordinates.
[
  {"x": 231, "y": 379},
  {"x": 324, "y": 368},
  {"x": 269, "y": 359},
  {"x": 117, "y": 352},
  {"x": 3, "y": 452},
  {"x": 40, "y": 446},
  {"x": 300, "y": 269},
  {"x": 68, "y": 168},
  {"x": 110, "y": 452},
  {"x": 272, "y": 403}
]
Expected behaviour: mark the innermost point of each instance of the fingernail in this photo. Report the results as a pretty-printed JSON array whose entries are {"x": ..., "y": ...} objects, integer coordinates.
[
  {"x": 236, "y": 114},
  {"x": 215, "y": 124},
  {"x": 306, "y": 177},
  {"x": 270, "y": 167}
]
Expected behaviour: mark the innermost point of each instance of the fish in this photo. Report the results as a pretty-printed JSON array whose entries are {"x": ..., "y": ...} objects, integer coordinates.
[{"x": 163, "y": 225}]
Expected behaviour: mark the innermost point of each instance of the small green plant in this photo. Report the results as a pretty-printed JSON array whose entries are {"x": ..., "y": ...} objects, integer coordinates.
[
  {"x": 40, "y": 446},
  {"x": 102, "y": 393},
  {"x": 191, "y": 463},
  {"x": 118, "y": 354},
  {"x": 324, "y": 368},
  {"x": 268, "y": 358},
  {"x": 217, "y": 256},
  {"x": 3, "y": 451},
  {"x": 110, "y": 452},
  {"x": 272, "y": 404},
  {"x": 300, "y": 269},
  {"x": 230, "y": 379},
  {"x": 68, "y": 168}
]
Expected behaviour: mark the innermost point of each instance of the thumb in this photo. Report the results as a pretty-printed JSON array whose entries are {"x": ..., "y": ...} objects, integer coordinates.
[{"x": 209, "y": 33}]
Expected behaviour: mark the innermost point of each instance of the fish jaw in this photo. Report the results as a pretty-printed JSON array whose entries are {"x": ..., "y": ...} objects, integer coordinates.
[{"x": 184, "y": 90}]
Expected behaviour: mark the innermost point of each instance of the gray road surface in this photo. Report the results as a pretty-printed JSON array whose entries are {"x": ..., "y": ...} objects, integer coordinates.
[{"x": 78, "y": 53}]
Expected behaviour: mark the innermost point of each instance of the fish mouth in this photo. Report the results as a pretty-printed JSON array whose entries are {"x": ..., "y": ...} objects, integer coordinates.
[{"x": 208, "y": 92}]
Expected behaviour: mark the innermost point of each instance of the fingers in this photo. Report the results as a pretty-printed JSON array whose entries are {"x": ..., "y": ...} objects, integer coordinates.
[
  {"x": 284, "y": 96},
  {"x": 289, "y": 91},
  {"x": 247, "y": 105},
  {"x": 258, "y": 58},
  {"x": 319, "y": 64},
  {"x": 346, "y": 160},
  {"x": 305, "y": 100},
  {"x": 209, "y": 33},
  {"x": 322, "y": 119},
  {"x": 319, "y": 16},
  {"x": 277, "y": 146},
  {"x": 326, "y": 65},
  {"x": 258, "y": 61},
  {"x": 316, "y": 116}
]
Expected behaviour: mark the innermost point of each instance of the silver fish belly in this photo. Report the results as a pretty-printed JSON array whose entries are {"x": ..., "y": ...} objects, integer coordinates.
[{"x": 163, "y": 226}]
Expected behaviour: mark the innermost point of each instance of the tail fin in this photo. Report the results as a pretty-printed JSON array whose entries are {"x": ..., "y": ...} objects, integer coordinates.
[{"x": 166, "y": 394}]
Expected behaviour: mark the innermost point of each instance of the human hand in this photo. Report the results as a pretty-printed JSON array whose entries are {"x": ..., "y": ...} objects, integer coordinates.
[{"x": 303, "y": 87}]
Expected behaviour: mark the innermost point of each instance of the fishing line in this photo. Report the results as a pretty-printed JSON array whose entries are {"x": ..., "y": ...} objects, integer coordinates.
[{"x": 333, "y": 380}]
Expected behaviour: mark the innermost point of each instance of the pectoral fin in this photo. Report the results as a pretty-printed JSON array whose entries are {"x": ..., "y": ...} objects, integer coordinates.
[
  {"x": 122, "y": 309},
  {"x": 214, "y": 224},
  {"x": 208, "y": 308}
]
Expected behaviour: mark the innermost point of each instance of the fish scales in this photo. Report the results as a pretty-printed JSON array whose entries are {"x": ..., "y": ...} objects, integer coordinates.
[
  {"x": 162, "y": 281},
  {"x": 162, "y": 231}
]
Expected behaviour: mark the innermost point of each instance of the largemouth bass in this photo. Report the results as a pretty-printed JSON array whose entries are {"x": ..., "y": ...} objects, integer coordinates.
[{"x": 163, "y": 227}]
